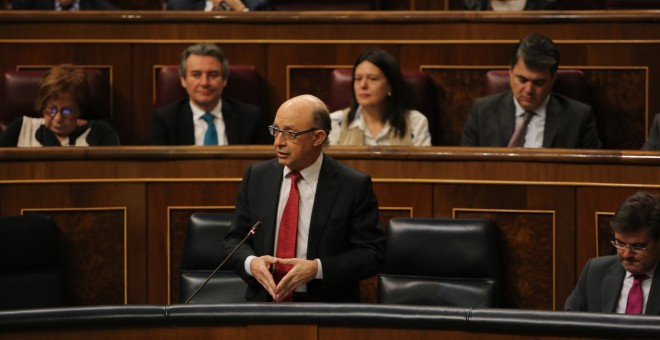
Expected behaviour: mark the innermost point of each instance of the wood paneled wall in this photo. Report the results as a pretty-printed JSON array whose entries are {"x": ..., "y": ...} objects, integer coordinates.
[
  {"x": 123, "y": 211},
  {"x": 617, "y": 50}
]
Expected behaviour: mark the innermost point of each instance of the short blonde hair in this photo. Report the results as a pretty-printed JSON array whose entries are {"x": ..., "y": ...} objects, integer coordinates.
[{"x": 63, "y": 79}]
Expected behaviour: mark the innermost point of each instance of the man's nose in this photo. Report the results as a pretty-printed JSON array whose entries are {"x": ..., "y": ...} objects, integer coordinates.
[{"x": 279, "y": 139}]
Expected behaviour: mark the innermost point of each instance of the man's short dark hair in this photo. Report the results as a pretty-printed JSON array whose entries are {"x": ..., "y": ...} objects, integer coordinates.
[
  {"x": 321, "y": 119},
  {"x": 538, "y": 52},
  {"x": 640, "y": 211},
  {"x": 207, "y": 50}
]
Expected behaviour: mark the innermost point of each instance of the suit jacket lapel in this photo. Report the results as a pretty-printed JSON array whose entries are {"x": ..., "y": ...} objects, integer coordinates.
[
  {"x": 231, "y": 122},
  {"x": 612, "y": 283},
  {"x": 507, "y": 119},
  {"x": 186, "y": 131},
  {"x": 552, "y": 122},
  {"x": 326, "y": 192},
  {"x": 270, "y": 199},
  {"x": 653, "y": 301}
]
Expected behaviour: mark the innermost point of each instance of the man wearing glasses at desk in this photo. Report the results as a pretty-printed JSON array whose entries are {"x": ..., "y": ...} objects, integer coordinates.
[
  {"x": 627, "y": 282},
  {"x": 320, "y": 231}
]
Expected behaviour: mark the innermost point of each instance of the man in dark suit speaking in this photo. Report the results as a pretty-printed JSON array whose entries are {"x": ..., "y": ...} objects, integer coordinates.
[
  {"x": 629, "y": 281},
  {"x": 321, "y": 233},
  {"x": 205, "y": 117},
  {"x": 529, "y": 114}
]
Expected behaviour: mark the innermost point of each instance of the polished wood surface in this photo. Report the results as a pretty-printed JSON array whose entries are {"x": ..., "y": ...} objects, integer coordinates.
[
  {"x": 318, "y": 321},
  {"x": 123, "y": 211},
  {"x": 617, "y": 50}
]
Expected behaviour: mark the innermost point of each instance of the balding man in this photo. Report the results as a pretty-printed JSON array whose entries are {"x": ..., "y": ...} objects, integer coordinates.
[{"x": 321, "y": 233}]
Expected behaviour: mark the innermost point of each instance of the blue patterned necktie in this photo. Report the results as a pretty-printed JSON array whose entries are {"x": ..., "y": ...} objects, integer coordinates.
[{"x": 211, "y": 136}]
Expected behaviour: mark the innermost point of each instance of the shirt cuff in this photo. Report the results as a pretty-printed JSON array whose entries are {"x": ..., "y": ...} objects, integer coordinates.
[
  {"x": 246, "y": 265},
  {"x": 319, "y": 271}
]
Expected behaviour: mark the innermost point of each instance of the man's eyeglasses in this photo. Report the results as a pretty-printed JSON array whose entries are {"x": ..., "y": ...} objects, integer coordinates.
[
  {"x": 634, "y": 249},
  {"x": 288, "y": 134},
  {"x": 66, "y": 112}
]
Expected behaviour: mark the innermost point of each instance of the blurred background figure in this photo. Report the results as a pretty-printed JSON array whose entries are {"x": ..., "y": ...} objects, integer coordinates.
[
  {"x": 509, "y": 5},
  {"x": 654, "y": 136},
  {"x": 63, "y": 5},
  {"x": 62, "y": 97},
  {"x": 378, "y": 113},
  {"x": 206, "y": 116},
  {"x": 530, "y": 114},
  {"x": 218, "y": 5}
]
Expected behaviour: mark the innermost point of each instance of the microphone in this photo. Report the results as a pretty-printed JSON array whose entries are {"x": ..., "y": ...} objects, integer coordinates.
[{"x": 252, "y": 231}]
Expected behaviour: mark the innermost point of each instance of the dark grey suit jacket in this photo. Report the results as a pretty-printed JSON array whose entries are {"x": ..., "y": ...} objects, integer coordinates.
[
  {"x": 600, "y": 284},
  {"x": 345, "y": 232},
  {"x": 568, "y": 123},
  {"x": 173, "y": 124},
  {"x": 654, "y": 136},
  {"x": 198, "y": 5},
  {"x": 85, "y": 5}
]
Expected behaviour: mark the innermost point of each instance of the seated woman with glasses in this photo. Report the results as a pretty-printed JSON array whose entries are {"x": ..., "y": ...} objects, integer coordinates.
[
  {"x": 378, "y": 114},
  {"x": 62, "y": 98}
]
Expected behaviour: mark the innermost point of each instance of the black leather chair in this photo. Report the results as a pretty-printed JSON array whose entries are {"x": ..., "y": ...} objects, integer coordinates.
[
  {"x": 202, "y": 254},
  {"x": 31, "y": 271},
  {"x": 442, "y": 262}
]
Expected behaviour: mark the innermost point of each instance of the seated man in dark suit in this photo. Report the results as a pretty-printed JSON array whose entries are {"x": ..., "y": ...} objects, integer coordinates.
[
  {"x": 205, "y": 117},
  {"x": 629, "y": 281},
  {"x": 321, "y": 233},
  {"x": 539, "y": 117},
  {"x": 654, "y": 136},
  {"x": 218, "y": 5},
  {"x": 63, "y": 5}
]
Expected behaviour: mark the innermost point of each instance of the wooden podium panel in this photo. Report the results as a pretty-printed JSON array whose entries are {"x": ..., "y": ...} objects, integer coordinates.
[{"x": 122, "y": 211}]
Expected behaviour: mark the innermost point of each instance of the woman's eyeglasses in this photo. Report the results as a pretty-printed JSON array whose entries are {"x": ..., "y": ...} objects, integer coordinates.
[{"x": 66, "y": 112}]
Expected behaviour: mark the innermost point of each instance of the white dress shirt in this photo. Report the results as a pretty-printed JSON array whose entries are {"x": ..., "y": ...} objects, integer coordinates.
[
  {"x": 536, "y": 126},
  {"x": 74, "y": 7},
  {"x": 627, "y": 283},
  {"x": 419, "y": 129},
  {"x": 201, "y": 126},
  {"x": 307, "y": 193}
]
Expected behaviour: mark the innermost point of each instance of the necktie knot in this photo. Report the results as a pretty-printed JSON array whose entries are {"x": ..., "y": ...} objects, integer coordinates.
[
  {"x": 295, "y": 176},
  {"x": 208, "y": 118},
  {"x": 639, "y": 278}
]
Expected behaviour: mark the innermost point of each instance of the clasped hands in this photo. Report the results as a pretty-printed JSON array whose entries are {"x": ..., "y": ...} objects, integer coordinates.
[
  {"x": 235, "y": 5},
  {"x": 302, "y": 271}
]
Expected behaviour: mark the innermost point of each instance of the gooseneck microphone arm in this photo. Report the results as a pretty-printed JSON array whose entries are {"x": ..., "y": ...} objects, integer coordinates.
[{"x": 250, "y": 233}]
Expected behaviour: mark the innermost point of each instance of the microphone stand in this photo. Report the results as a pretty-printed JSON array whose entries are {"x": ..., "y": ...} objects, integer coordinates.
[{"x": 250, "y": 233}]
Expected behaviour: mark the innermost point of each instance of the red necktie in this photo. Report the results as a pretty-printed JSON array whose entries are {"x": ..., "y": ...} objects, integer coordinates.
[
  {"x": 636, "y": 295},
  {"x": 288, "y": 233},
  {"x": 518, "y": 138}
]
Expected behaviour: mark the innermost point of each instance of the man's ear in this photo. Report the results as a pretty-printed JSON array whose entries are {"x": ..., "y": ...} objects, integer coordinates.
[{"x": 319, "y": 137}]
